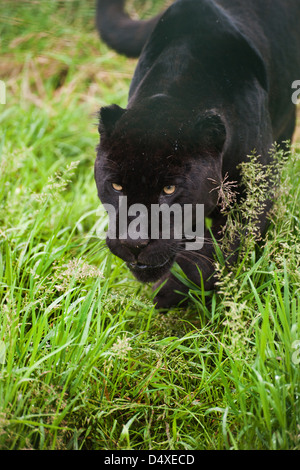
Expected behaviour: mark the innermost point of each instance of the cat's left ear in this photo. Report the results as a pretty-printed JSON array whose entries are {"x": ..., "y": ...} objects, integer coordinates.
[
  {"x": 109, "y": 115},
  {"x": 211, "y": 132}
]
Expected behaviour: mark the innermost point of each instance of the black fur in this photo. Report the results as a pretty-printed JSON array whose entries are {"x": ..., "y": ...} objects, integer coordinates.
[{"x": 212, "y": 84}]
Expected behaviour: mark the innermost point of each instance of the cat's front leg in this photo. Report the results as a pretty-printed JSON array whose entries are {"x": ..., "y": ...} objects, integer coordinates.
[{"x": 197, "y": 265}]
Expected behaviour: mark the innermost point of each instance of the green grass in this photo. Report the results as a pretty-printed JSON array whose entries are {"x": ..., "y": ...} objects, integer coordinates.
[{"x": 86, "y": 362}]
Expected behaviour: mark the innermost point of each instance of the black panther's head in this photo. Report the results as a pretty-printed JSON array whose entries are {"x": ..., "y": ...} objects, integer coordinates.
[{"x": 155, "y": 154}]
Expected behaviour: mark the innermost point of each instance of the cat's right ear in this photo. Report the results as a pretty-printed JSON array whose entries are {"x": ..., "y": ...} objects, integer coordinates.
[{"x": 108, "y": 117}]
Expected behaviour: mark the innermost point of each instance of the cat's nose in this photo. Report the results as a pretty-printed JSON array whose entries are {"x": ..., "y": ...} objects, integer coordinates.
[{"x": 135, "y": 246}]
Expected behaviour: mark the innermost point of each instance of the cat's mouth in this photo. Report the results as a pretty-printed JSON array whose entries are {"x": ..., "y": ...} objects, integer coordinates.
[
  {"x": 147, "y": 266},
  {"x": 148, "y": 272}
]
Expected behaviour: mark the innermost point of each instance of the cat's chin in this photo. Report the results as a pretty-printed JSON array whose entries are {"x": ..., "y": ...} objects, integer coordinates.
[{"x": 149, "y": 273}]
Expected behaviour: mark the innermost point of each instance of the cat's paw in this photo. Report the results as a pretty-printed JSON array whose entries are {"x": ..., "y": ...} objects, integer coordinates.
[{"x": 171, "y": 294}]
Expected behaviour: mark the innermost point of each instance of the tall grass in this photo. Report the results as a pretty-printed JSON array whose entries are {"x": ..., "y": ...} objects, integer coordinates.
[{"x": 86, "y": 362}]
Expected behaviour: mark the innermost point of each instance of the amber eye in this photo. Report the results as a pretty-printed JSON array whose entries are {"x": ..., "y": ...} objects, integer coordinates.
[
  {"x": 117, "y": 187},
  {"x": 169, "y": 189}
]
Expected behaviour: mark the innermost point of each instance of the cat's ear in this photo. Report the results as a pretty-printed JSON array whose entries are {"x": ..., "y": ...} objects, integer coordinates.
[
  {"x": 108, "y": 117},
  {"x": 211, "y": 132}
]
